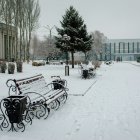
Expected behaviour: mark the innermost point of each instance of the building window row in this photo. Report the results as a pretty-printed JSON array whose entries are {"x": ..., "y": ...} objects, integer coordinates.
[{"x": 133, "y": 47}]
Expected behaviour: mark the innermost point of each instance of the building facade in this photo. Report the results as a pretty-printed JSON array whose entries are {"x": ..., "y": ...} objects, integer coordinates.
[
  {"x": 7, "y": 42},
  {"x": 121, "y": 49}
]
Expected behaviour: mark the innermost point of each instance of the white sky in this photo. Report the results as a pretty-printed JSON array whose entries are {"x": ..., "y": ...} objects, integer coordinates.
[{"x": 115, "y": 18}]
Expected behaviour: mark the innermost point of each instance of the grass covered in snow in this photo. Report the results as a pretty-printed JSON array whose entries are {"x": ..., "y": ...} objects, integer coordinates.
[{"x": 108, "y": 110}]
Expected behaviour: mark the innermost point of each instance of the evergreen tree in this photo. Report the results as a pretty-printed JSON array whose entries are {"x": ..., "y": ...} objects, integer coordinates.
[
  {"x": 74, "y": 27},
  {"x": 85, "y": 42}
]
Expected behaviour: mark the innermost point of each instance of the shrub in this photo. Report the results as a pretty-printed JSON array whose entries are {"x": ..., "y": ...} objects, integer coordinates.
[
  {"x": 77, "y": 62},
  {"x": 40, "y": 63},
  {"x": 11, "y": 68},
  {"x": 34, "y": 64},
  {"x": 43, "y": 63},
  {"x": 19, "y": 66},
  {"x": 48, "y": 63},
  {"x": 12, "y": 59},
  {"x": 3, "y": 66},
  {"x": 97, "y": 64},
  {"x": 138, "y": 59}
]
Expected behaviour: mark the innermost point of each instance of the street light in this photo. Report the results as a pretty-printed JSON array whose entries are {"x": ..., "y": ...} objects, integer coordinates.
[
  {"x": 50, "y": 31},
  {"x": 66, "y": 38}
]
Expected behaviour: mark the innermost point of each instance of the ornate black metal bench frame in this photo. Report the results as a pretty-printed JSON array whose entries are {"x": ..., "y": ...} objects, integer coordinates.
[{"x": 30, "y": 98}]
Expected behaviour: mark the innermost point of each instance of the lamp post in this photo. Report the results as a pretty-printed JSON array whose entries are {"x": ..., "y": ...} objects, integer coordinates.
[
  {"x": 66, "y": 39},
  {"x": 101, "y": 55},
  {"x": 50, "y": 32}
]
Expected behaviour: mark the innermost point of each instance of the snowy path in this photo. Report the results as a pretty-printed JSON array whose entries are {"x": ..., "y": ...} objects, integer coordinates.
[
  {"x": 109, "y": 111},
  {"x": 113, "y": 112}
]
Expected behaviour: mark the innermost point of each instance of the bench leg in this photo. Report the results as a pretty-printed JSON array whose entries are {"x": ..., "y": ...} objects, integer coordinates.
[
  {"x": 38, "y": 110},
  {"x": 54, "y": 104},
  {"x": 63, "y": 98}
]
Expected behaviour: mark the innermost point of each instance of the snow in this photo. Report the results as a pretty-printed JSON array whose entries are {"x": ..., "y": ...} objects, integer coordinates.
[{"x": 106, "y": 107}]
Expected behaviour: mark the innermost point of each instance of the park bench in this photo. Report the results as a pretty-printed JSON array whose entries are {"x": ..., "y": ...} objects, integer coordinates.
[
  {"x": 86, "y": 72},
  {"x": 34, "y": 98},
  {"x": 108, "y": 62},
  {"x": 55, "y": 62}
]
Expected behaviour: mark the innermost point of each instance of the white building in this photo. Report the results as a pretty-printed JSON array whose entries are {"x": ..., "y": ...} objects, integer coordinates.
[
  {"x": 122, "y": 49},
  {"x": 7, "y": 42}
]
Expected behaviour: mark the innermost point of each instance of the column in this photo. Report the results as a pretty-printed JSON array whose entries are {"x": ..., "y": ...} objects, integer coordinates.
[
  {"x": 137, "y": 47},
  {"x": 128, "y": 47},
  {"x": 0, "y": 45},
  {"x": 123, "y": 47},
  {"x": 3, "y": 50},
  {"x": 119, "y": 47},
  {"x": 133, "y": 47},
  {"x": 114, "y": 47},
  {"x": 10, "y": 47},
  {"x": 110, "y": 51},
  {"x": 5, "y": 46},
  {"x": 114, "y": 50}
]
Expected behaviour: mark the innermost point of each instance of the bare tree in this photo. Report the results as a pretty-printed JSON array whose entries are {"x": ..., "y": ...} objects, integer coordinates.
[
  {"x": 7, "y": 17},
  {"x": 24, "y": 15},
  {"x": 34, "y": 50},
  {"x": 43, "y": 49},
  {"x": 97, "y": 46},
  {"x": 33, "y": 12},
  {"x": 1, "y": 3}
]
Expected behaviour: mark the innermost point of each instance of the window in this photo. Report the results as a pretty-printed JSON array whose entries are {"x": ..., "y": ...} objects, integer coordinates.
[
  {"x": 130, "y": 47},
  {"x": 138, "y": 47},
  {"x": 135, "y": 47},
  {"x": 112, "y": 47},
  {"x": 117, "y": 50},
  {"x": 126, "y": 47},
  {"x": 121, "y": 47}
]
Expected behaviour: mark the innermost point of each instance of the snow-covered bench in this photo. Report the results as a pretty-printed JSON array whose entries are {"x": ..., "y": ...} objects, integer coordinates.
[
  {"x": 86, "y": 71},
  {"x": 108, "y": 62},
  {"x": 37, "y": 99},
  {"x": 55, "y": 62}
]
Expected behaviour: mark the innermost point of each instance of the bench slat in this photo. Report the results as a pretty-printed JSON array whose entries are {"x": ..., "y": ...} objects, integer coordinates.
[{"x": 37, "y": 84}]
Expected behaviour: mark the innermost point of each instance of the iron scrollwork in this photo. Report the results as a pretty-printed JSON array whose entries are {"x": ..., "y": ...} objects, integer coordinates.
[
  {"x": 18, "y": 110},
  {"x": 11, "y": 84},
  {"x": 14, "y": 113},
  {"x": 38, "y": 110}
]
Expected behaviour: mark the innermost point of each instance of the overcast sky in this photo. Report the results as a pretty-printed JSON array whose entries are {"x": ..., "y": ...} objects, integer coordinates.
[{"x": 115, "y": 18}]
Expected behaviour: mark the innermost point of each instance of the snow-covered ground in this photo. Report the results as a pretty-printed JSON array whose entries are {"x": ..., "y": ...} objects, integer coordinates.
[{"x": 106, "y": 107}]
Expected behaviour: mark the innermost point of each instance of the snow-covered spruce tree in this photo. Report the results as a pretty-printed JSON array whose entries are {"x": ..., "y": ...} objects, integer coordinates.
[
  {"x": 73, "y": 26},
  {"x": 84, "y": 41}
]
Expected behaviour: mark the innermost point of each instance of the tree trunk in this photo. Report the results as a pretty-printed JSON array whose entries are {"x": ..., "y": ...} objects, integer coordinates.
[
  {"x": 85, "y": 57},
  {"x": 28, "y": 48},
  {"x": 72, "y": 58}
]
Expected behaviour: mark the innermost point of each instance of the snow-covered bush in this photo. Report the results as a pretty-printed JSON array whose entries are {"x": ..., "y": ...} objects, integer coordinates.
[
  {"x": 19, "y": 66},
  {"x": 38, "y": 63},
  {"x": 90, "y": 65},
  {"x": 97, "y": 64},
  {"x": 3, "y": 66},
  {"x": 34, "y": 64},
  {"x": 138, "y": 59},
  {"x": 11, "y": 68}
]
